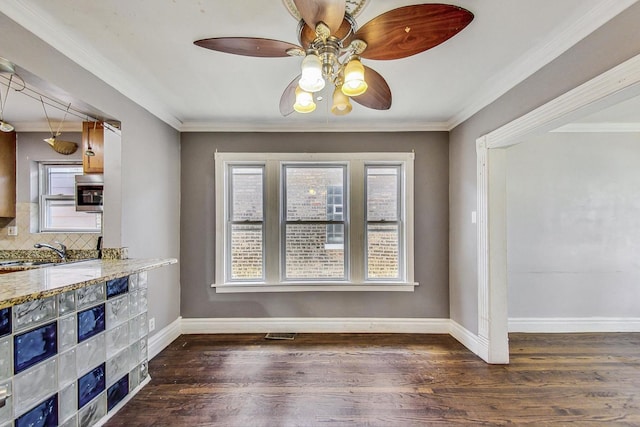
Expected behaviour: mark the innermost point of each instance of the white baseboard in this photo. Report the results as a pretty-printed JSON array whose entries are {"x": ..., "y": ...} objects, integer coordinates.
[
  {"x": 314, "y": 325},
  {"x": 164, "y": 337},
  {"x": 574, "y": 324},
  {"x": 464, "y": 336},
  {"x": 311, "y": 325}
]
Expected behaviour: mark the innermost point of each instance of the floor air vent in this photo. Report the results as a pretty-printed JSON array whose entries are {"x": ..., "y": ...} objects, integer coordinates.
[{"x": 280, "y": 336}]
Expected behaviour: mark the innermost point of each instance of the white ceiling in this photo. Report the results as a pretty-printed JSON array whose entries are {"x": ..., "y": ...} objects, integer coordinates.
[{"x": 144, "y": 48}]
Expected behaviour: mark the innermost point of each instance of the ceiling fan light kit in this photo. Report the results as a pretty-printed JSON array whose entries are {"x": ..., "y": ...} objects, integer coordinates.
[{"x": 333, "y": 46}]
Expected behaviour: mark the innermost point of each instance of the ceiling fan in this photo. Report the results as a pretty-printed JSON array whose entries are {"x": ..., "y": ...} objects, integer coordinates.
[{"x": 332, "y": 47}]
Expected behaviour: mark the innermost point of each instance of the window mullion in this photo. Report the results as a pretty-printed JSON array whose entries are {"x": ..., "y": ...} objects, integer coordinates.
[
  {"x": 272, "y": 221},
  {"x": 356, "y": 201}
]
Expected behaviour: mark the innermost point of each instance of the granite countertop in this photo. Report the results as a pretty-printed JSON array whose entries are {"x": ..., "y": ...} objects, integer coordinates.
[{"x": 31, "y": 284}]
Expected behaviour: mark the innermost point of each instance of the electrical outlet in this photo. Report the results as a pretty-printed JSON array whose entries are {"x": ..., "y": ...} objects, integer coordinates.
[
  {"x": 152, "y": 324},
  {"x": 12, "y": 230}
]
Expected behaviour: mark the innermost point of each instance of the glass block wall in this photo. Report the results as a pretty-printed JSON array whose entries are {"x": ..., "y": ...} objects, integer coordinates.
[{"x": 70, "y": 359}]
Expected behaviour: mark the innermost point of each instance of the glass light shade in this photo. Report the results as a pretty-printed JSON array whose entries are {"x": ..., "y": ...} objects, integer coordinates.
[
  {"x": 354, "y": 83},
  {"x": 311, "y": 80},
  {"x": 341, "y": 103},
  {"x": 6, "y": 127},
  {"x": 304, "y": 101}
]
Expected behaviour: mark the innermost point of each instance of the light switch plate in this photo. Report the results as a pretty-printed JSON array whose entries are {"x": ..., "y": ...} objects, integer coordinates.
[{"x": 12, "y": 230}]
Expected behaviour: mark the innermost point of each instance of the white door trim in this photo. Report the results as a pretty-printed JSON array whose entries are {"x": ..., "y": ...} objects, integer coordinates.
[{"x": 619, "y": 83}]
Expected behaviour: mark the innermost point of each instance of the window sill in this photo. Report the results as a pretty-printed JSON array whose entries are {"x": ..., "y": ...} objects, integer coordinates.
[{"x": 229, "y": 288}]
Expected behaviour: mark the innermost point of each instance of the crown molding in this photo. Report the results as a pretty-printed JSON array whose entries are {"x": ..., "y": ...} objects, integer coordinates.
[
  {"x": 85, "y": 56},
  {"x": 275, "y": 126},
  {"x": 599, "y": 128},
  {"x": 538, "y": 57}
]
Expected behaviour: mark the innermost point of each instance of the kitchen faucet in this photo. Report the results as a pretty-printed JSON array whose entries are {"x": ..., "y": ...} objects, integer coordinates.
[{"x": 62, "y": 252}]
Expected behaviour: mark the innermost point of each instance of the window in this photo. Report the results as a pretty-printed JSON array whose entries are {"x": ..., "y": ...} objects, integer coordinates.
[
  {"x": 57, "y": 202},
  {"x": 288, "y": 222}
]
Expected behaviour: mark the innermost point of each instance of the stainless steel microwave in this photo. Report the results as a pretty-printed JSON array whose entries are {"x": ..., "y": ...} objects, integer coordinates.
[{"x": 89, "y": 192}]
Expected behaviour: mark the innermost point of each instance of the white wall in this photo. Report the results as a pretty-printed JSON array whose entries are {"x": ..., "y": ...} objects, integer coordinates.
[{"x": 573, "y": 227}]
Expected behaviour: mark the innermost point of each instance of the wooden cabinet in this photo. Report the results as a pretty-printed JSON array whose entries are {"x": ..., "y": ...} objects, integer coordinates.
[
  {"x": 93, "y": 140},
  {"x": 7, "y": 174}
]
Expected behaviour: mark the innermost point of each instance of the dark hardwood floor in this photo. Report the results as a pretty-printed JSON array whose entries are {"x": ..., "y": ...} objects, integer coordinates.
[{"x": 389, "y": 380}]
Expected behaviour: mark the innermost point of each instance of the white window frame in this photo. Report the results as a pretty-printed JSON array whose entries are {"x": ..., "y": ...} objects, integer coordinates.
[
  {"x": 44, "y": 196},
  {"x": 355, "y": 205}
]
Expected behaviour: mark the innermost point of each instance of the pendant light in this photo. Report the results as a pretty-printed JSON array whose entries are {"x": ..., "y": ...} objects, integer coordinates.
[{"x": 59, "y": 146}]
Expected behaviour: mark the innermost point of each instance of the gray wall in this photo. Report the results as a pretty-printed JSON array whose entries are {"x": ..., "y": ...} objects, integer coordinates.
[
  {"x": 31, "y": 148},
  {"x": 150, "y": 162},
  {"x": 430, "y": 299},
  {"x": 607, "y": 47},
  {"x": 573, "y": 233}
]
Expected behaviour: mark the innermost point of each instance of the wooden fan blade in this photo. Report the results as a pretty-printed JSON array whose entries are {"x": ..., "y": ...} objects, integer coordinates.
[
  {"x": 288, "y": 97},
  {"x": 378, "y": 94},
  {"x": 331, "y": 12},
  {"x": 408, "y": 30},
  {"x": 247, "y": 46}
]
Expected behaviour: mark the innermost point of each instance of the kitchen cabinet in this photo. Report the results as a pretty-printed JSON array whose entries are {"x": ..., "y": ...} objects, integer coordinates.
[
  {"x": 7, "y": 174},
  {"x": 93, "y": 140}
]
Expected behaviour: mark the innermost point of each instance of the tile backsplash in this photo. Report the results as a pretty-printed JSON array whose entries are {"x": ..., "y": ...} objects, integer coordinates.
[{"x": 26, "y": 215}]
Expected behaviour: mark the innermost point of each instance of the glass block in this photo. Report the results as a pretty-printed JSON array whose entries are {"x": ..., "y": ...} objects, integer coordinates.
[
  {"x": 6, "y": 413},
  {"x": 144, "y": 370},
  {"x": 90, "y": 322},
  {"x": 68, "y": 405},
  {"x": 71, "y": 422},
  {"x": 134, "y": 307},
  {"x": 143, "y": 325},
  {"x": 91, "y": 414},
  {"x": 117, "y": 287},
  {"x": 5, "y": 321},
  {"x": 89, "y": 295},
  {"x": 134, "y": 378},
  {"x": 43, "y": 415},
  {"x": 31, "y": 313},
  {"x": 117, "y": 392},
  {"x": 133, "y": 282},
  {"x": 117, "y": 366},
  {"x": 117, "y": 311},
  {"x": 134, "y": 350},
  {"x": 67, "y": 368},
  {"x": 142, "y": 301},
  {"x": 90, "y": 385},
  {"x": 66, "y": 332},
  {"x": 134, "y": 330},
  {"x": 143, "y": 349},
  {"x": 66, "y": 302},
  {"x": 90, "y": 353},
  {"x": 6, "y": 367},
  {"x": 142, "y": 280},
  {"x": 34, "y": 385},
  {"x": 34, "y": 346},
  {"x": 117, "y": 339}
]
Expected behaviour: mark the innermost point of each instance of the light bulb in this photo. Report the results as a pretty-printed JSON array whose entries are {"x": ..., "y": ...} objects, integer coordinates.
[
  {"x": 304, "y": 101},
  {"x": 311, "y": 80},
  {"x": 341, "y": 103},
  {"x": 354, "y": 83}
]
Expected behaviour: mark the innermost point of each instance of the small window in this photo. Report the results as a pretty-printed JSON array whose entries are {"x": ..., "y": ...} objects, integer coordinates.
[{"x": 57, "y": 202}]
